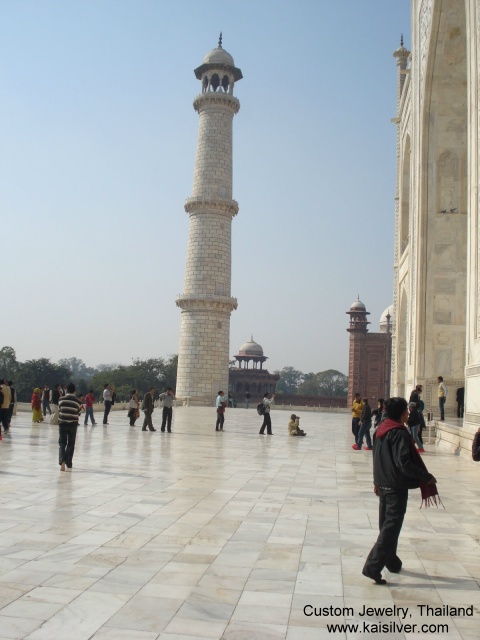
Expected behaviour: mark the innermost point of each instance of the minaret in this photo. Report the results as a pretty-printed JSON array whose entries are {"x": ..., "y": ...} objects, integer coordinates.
[
  {"x": 206, "y": 301},
  {"x": 358, "y": 329}
]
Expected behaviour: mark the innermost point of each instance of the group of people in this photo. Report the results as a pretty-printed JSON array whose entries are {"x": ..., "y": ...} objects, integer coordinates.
[{"x": 263, "y": 409}]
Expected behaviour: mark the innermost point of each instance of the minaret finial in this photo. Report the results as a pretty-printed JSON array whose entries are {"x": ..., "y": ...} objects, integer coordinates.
[
  {"x": 220, "y": 41},
  {"x": 401, "y": 40}
]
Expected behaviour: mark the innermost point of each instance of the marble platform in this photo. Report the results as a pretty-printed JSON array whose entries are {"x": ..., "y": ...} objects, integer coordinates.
[{"x": 229, "y": 535}]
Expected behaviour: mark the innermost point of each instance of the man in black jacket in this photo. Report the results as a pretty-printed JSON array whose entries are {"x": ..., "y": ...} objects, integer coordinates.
[
  {"x": 397, "y": 467},
  {"x": 148, "y": 408}
]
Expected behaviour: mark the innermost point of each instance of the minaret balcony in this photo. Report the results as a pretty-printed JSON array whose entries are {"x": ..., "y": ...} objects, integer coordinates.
[
  {"x": 198, "y": 204},
  {"x": 216, "y": 98},
  {"x": 206, "y": 301}
]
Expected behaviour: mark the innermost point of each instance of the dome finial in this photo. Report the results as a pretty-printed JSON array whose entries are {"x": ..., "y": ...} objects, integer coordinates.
[
  {"x": 251, "y": 338},
  {"x": 401, "y": 40},
  {"x": 220, "y": 41}
]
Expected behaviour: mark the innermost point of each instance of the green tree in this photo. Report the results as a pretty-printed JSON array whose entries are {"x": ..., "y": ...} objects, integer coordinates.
[
  {"x": 290, "y": 380},
  {"x": 8, "y": 362},
  {"x": 36, "y": 373},
  {"x": 79, "y": 369},
  {"x": 332, "y": 383},
  {"x": 309, "y": 386}
]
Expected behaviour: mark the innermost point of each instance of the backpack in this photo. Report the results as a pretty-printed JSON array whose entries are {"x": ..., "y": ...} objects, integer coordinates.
[{"x": 261, "y": 409}]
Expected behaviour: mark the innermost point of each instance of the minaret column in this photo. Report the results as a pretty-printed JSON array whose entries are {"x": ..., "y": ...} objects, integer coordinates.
[{"x": 206, "y": 302}]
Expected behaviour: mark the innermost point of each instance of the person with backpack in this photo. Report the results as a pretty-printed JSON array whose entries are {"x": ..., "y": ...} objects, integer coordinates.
[
  {"x": 220, "y": 404},
  {"x": 267, "y": 421}
]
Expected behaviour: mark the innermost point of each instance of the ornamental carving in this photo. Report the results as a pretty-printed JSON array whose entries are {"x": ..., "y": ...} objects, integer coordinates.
[
  {"x": 206, "y": 302},
  {"x": 425, "y": 25},
  {"x": 219, "y": 99},
  {"x": 201, "y": 205}
]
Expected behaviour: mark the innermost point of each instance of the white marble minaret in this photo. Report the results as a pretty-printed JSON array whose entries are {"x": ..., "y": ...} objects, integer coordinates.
[{"x": 206, "y": 301}]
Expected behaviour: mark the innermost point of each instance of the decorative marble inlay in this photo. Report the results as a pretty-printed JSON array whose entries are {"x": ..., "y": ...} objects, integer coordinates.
[{"x": 425, "y": 25}]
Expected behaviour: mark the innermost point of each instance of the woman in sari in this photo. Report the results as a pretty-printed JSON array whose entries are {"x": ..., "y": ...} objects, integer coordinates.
[{"x": 37, "y": 406}]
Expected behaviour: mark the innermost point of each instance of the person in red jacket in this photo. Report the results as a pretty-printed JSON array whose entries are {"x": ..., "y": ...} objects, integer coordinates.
[{"x": 89, "y": 400}]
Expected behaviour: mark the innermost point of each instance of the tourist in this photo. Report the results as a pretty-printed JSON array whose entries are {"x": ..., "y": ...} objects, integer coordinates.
[
  {"x": 293, "y": 426},
  {"x": 148, "y": 408},
  {"x": 476, "y": 446},
  {"x": 267, "y": 421},
  {"x": 13, "y": 400},
  {"x": 56, "y": 395},
  {"x": 357, "y": 407},
  {"x": 397, "y": 467},
  {"x": 378, "y": 413},
  {"x": 107, "y": 401},
  {"x": 365, "y": 425},
  {"x": 37, "y": 415},
  {"x": 167, "y": 398},
  {"x": 89, "y": 400},
  {"x": 415, "y": 395},
  {"x": 63, "y": 390},
  {"x": 5, "y": 396},
  {"x": 69, "y": 411},
  {"x": 247, "y": 400},
  {"x": 220, "y": 404},
  {"x": 442, "y": 397},
  {"x": 460, "y": 397},
  {"x": 413, "y": 422},
  {"x": 114, "y": 395},
  {"x": 133, "y": 407},
  {"x": 46, "y": 400}
]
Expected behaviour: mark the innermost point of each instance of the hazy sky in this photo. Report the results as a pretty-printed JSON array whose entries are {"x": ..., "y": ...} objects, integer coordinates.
[{"x": 97, "y": 150}]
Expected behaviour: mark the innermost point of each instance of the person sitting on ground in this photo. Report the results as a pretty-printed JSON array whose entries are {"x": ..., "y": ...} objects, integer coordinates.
[{"x": 293, "y": 426}]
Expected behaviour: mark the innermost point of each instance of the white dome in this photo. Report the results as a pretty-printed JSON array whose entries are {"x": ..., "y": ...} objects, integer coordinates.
[
  {"x": 250, "y": 348},
  {"x": 357, "y": 306},
  {"x": 218, "y": 56},
  {"x": 383, "y": 319}
]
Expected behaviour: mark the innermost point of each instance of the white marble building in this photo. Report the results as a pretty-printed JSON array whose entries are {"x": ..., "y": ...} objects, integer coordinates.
[
  {"x": 206, "y": 301},
  {"x": 437, "y": 286}
]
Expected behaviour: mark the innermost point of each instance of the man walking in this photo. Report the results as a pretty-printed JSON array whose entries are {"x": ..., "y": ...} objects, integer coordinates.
[
  {"x": 5, "y": 396},
  {"x": 13, "y": 400},
  {"x": 46, "y": 400},
  {"x": 107, "y": 401},
  {"x": 147, "y": 407},
  {"x": 167, "y": 398},
  {"x": 69, "y": 412},
  {"x": 220, "y": 405},
  {"x": 397, "y": 467},
  {"x": 442, "y": 397},
  {"x": 357, "y": 407},
  {"x": 267, "y": 421},
  {"x": 247, "y": 400}
]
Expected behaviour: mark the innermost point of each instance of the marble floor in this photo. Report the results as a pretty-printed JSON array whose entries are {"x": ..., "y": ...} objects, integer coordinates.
[{"x": 205, "y": 535}]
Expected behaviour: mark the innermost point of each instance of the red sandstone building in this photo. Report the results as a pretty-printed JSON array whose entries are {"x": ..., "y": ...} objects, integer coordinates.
[{"x": 370, "y": 355}]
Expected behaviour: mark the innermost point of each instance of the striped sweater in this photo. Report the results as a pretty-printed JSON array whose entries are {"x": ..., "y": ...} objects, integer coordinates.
[{"x": 69, "y": 409}]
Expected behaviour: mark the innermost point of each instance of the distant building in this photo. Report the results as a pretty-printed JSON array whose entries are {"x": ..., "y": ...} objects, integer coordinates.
[
  {"x": 370, "y": 355},
  {"x": 250, "y": 376}
]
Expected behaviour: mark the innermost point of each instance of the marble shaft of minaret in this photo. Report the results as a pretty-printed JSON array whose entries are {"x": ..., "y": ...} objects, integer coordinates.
[{"x": 206, "y": 302}]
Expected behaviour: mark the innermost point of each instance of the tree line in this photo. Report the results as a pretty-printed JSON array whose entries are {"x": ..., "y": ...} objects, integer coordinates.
[
  {"x": 324, "y": 383},
  {"x": 160, "y": 373}
]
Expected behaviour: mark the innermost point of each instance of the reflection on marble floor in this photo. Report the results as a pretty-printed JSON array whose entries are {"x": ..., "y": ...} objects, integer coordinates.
[{"x": 211, "y": 535}]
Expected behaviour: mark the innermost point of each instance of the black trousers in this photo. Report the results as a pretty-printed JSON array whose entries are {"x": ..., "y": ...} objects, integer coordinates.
[
  {"x": 108, "y": 406},
  {"x": 267, "y": 422},
  {"x": 220, "y": 421},
  {"x": 355, "y": 427},
  {"x": 67, "y": 434},
  {"x": 147, "y": 422},
  {"x": 167, "y": 418},
  {"x": 132, "y": 415},
  {"x": 392, "y": 508},
  {"x": 4, "y": 417}
]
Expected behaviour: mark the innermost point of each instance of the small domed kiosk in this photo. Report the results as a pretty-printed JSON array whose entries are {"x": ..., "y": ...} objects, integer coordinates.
[{"x": 250, "y": 376}]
